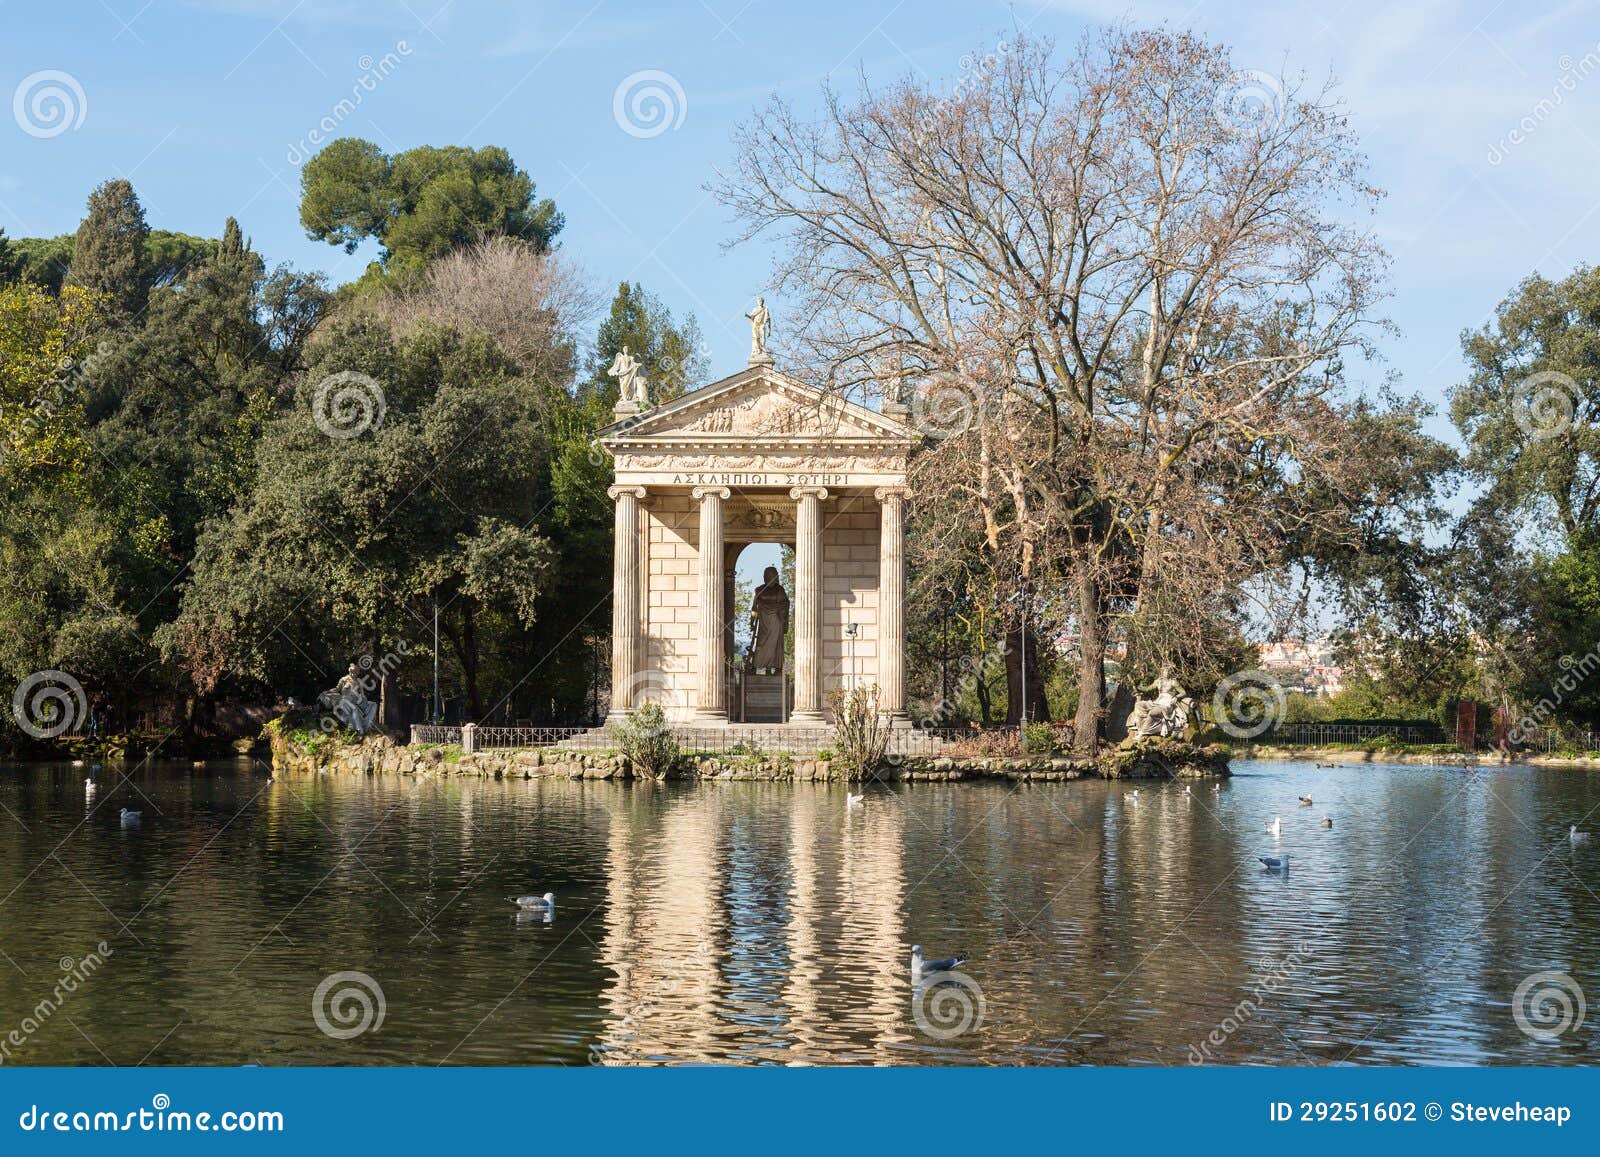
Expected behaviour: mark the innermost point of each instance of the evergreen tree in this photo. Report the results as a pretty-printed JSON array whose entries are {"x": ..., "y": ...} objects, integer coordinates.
[
  {"x": 668, "y": 352},
  {"x": 108, "y": 256},
  {"x": 10, "y": 263}
]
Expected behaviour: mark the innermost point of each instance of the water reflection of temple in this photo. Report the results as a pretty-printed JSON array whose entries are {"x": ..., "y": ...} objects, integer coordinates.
[{"x": 735, "y": 931}]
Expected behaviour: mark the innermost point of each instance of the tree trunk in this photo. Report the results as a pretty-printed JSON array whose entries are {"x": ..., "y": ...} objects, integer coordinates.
[
  {"x": 1038, "y": 706},
  {"x": 1091, "y": 665}
]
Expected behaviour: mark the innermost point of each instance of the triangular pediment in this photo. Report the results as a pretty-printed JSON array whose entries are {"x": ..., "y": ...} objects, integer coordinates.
[{"x": 758, "y": 407}]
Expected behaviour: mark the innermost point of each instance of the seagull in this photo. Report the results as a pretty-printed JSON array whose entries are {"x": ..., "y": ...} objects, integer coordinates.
[
  {"x": 131, "y": 819},
  {"x": 1274, "y": 864},
  {"x": 854, "y": 800},
  {"x": 1306, "y": 801},
  {"x": 1216, "y": 788},
  {"x": 1327, "y": 821},
  {"x": 1276, "y": 826},
  {"x": 545, "y": 903},
  {"x": 920, "y": 966},
  {"x": 1578, "y": 837},
  {"x": 1134, "y": 795},
  {"x": 77, "y": 763},
  {"x": 89, "y": 787},
  {"x": 1187, "y": 790}
]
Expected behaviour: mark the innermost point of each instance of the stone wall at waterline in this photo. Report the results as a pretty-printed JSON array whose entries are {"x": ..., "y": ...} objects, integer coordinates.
[{"x": 382, "y": 756}]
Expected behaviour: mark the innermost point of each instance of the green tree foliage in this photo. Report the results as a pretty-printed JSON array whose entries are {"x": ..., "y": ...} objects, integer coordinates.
[
  {"x": 108, "y": 254},
  {"x": 668, "y": 352},
  {"x": 44, "y": 261},
  {"x": 420, "y": 204},
  {"x": 344, "y": 542},
  {"x": 1528, "y": 410},
  {"x": 10, "y": 261}
]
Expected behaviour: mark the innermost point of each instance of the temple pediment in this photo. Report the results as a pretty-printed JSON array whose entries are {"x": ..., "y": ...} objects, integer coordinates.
[{"x": 759, "y": 428}]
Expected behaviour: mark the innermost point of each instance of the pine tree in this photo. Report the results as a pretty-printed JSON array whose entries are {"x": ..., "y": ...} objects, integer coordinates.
[{"x": 109, "y": 254}]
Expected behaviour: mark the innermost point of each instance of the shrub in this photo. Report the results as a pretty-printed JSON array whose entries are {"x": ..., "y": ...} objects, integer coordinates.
[
  {"x": 862, "y": 729},
  {"x": 1038, "y": 739},
  {"x": 648, "y": 742}
]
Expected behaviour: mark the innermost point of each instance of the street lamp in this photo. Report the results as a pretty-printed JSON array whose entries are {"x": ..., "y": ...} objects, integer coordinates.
[{"x": 851, "y": 630}]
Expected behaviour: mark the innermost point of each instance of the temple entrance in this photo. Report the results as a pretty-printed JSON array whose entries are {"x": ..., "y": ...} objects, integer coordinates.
[{"x": 761, "y": 639}]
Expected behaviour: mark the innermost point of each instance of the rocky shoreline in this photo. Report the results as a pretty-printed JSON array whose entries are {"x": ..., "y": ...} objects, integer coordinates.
[{"x": 381, "y": 755}]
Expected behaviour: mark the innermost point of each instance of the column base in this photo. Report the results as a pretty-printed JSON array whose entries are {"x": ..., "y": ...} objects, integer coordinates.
[
  {"x": 899, "y": 719},
  {"x": 615, "y": 717},
  {"x": 709, "y": 718},
  {"x": 807, "y": 719}
]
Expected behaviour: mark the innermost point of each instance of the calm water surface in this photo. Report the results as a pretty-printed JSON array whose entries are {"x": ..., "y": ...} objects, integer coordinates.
[{"x": 757, "y": 923}]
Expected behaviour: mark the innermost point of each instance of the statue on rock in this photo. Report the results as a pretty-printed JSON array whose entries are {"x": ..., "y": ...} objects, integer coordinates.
[
  {"x": 760, "y": 333},
  {"x": 633, "y": 388},
  {"x": 1166, "y": 715},
  {"x": 769, "y": 622},
  {"x": 348, "y": 702}
]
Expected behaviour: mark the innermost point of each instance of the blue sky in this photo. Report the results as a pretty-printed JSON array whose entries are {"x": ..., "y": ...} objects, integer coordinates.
[{"x": 202, "y": 103}]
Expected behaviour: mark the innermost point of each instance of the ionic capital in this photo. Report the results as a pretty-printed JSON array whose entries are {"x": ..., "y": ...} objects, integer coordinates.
[
  {"x": 891, "y": 493},
  {"x": 701, "y": 493},
  {"x": 818, "y": 492},
  {"x": 616, "y": 492}
]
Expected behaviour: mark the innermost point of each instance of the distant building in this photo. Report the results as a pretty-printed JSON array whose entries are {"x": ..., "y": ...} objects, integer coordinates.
[{"x": 1303, "y": 665}]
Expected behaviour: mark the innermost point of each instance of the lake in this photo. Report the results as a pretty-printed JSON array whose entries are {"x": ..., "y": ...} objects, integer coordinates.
[{"x": 347, "y": 920}]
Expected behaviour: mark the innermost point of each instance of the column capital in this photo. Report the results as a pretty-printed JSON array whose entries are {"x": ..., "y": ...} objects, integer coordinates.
[
  {"x": 888, "y": 493},
  {"x": 818, "y": 492},
  {"x": 701, "y": 493},
  {"x": 616, "y": 492}
]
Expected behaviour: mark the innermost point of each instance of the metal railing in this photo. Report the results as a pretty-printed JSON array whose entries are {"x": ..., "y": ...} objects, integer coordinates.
[
  {"x": 1324, "y": 734},
  {"x": 735, "y": 737}
]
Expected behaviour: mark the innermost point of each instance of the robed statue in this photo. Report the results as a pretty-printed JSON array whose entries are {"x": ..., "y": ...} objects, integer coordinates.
[
  {"x": 1165, "y": 715},
  {"x": 630, "y": 378},
  {"x": 348, "y": 702},
  {"x": 769, "y": 622},
  {"x": 760, "y": 332}
]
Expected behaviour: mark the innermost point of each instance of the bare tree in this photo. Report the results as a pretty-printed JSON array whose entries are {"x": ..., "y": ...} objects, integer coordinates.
[
  {"x": 1119, "y": 286},
  {"x": 531, "y": 303}
]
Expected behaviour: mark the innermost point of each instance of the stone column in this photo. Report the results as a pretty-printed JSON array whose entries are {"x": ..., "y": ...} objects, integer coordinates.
[
  {"x": 892, "y": 603},
  {"x": 712, "y": 708},
  {"x": 808, "y": 606},
  {"x": 625, "y": 602}
]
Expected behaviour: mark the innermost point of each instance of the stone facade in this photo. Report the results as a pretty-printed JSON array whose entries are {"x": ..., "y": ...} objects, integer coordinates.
[{"x": 757, "y": 457}]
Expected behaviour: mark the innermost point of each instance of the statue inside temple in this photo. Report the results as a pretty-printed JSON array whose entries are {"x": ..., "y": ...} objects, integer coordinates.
[{"x": 769, "y": 622}]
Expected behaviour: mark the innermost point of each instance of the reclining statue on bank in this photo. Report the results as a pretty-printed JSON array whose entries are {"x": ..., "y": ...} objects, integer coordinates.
[
  {"x": 348, "y": 702},
  {"x": 1166, "y": 715}
]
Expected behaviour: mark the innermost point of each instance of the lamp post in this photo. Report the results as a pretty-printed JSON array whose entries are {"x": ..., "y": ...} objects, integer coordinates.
[
  {"x": 851, "y": 630},
  {"x": 436, "y": 658}
]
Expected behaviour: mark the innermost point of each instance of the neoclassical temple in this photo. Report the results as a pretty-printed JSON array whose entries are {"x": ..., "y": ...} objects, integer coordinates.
[{"x": 757, "y": 457}]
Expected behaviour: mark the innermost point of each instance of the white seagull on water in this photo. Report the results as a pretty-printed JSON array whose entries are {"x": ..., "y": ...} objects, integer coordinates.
[
  {"x": 1274, "y": 864},
  {"x": 854, "y": 800},
  {"x": 131, "y": 819},
  {"x": 545, "y": 903},
  {"x": 919, "y": 966},
  {"x": 1276, "y": 826},
  {"x": 1578, "y": 837}
]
